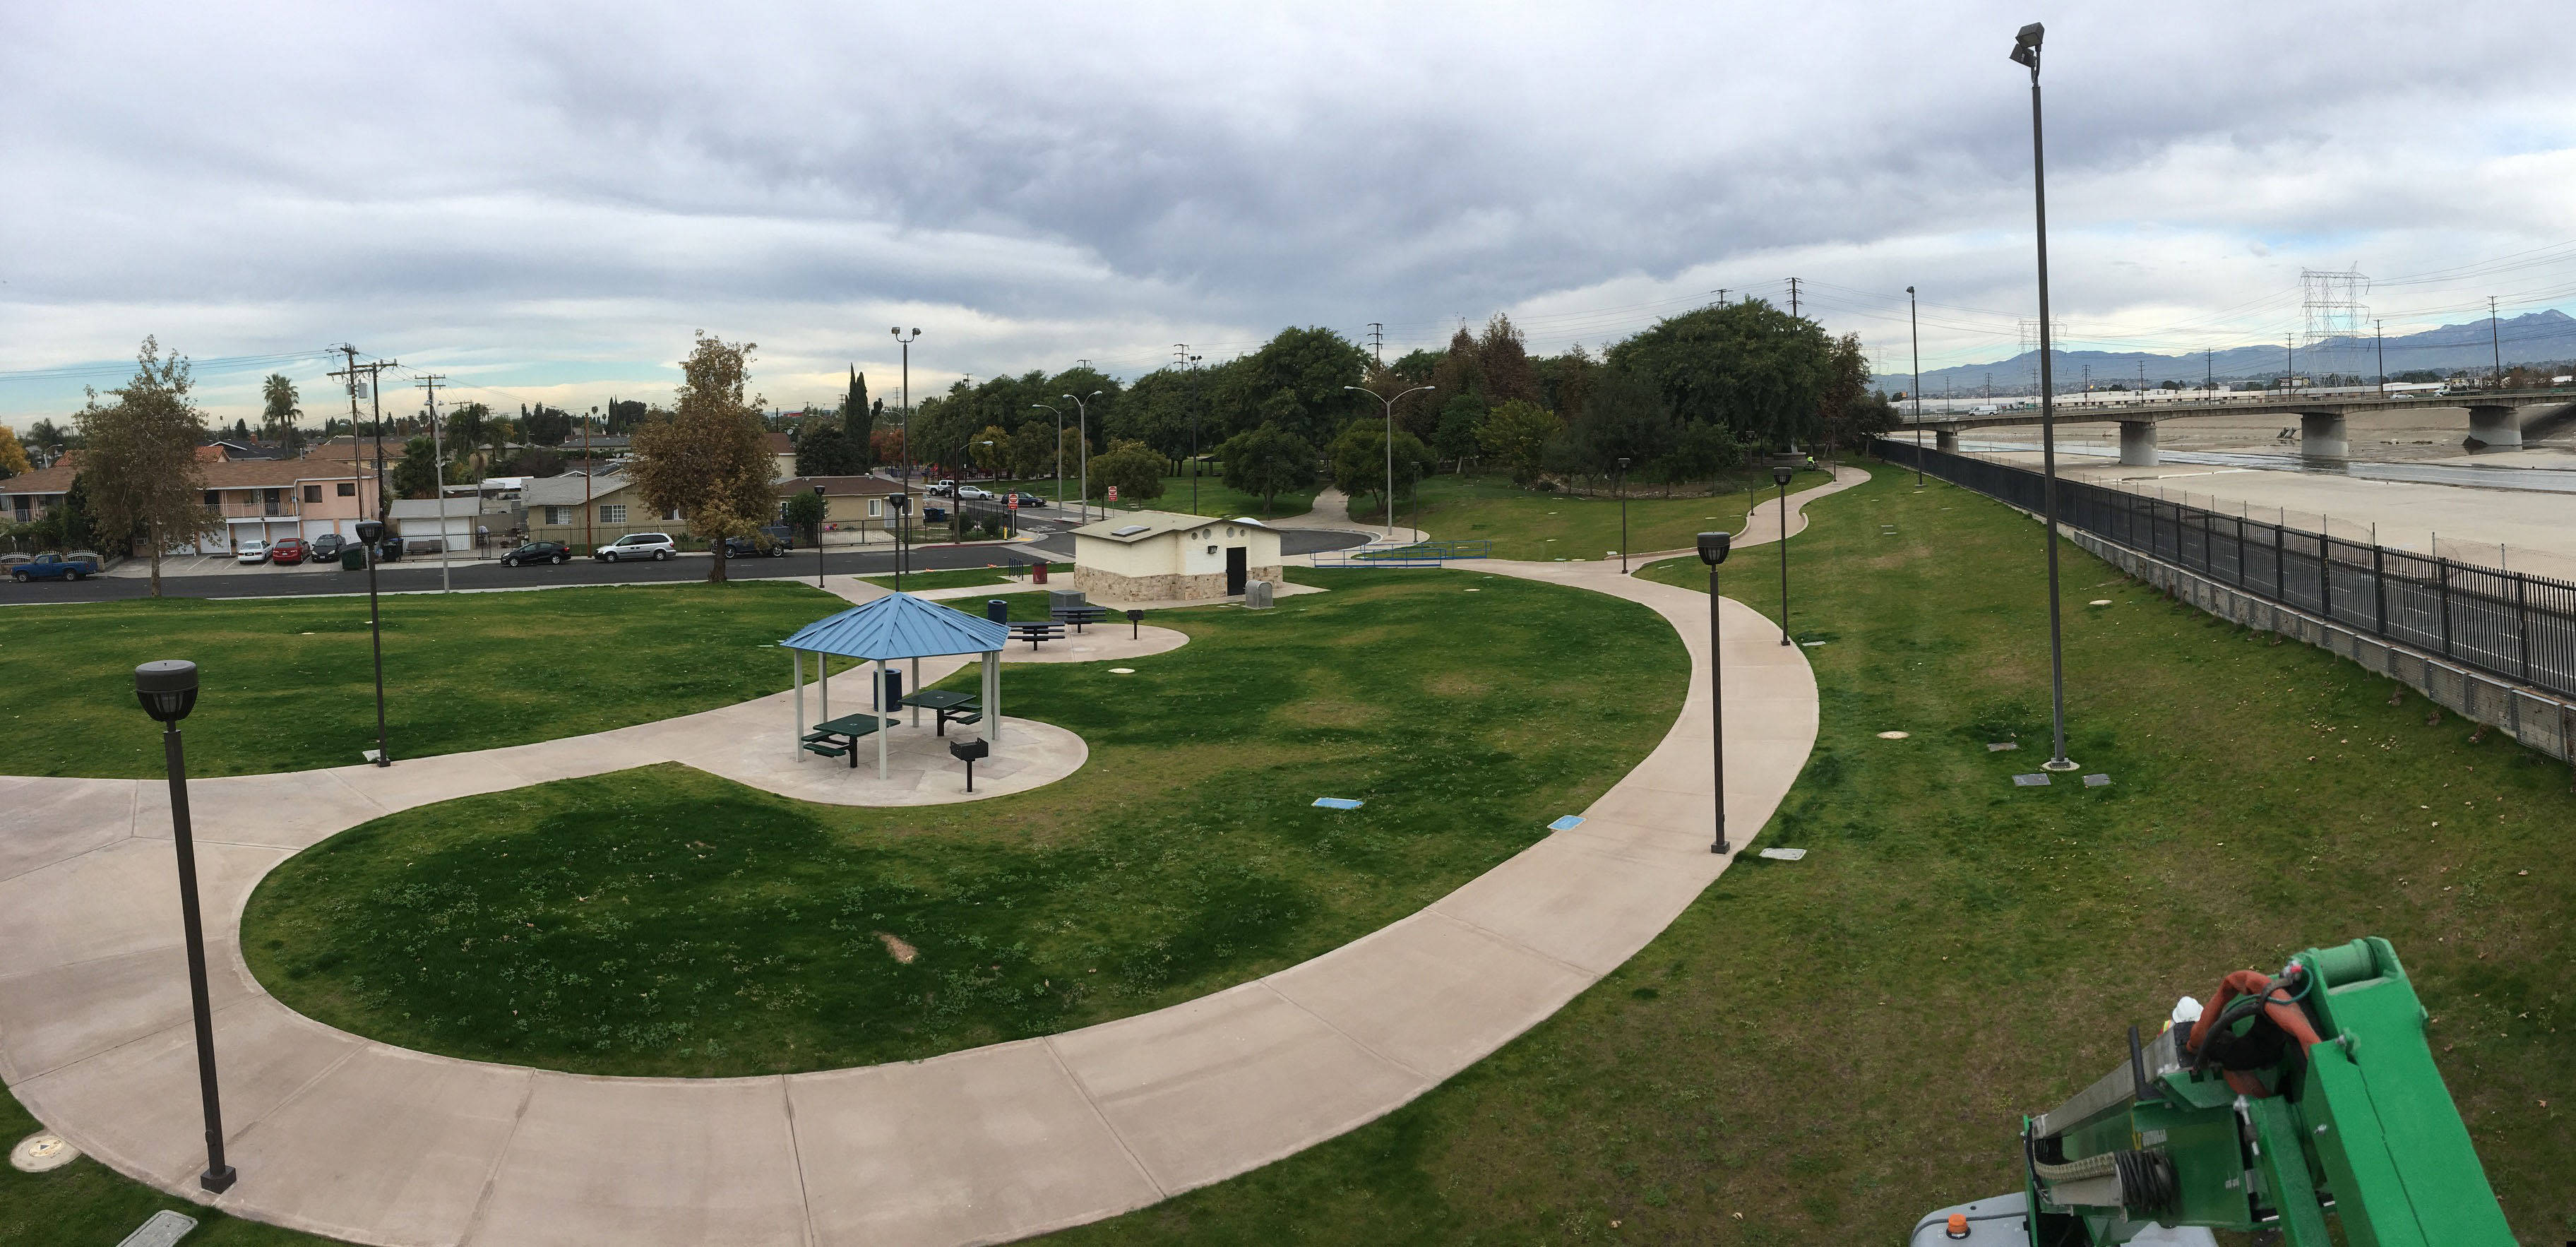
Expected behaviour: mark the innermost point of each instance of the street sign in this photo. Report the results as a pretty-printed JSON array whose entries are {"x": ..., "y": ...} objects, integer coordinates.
[
  {"x": 1012, "y": 502},
  {"x": 1113, "y": 493}
]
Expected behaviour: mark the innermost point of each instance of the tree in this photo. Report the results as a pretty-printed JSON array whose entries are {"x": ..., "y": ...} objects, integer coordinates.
[
  {"x": 623, "y": 414},
  {"x": 711, "y": 461},
  {"x": 1749, "y": 366},
  {"x": 416, "y": 473},
  {"x": 1503, "y": 360},
  {"x": 1460, "y": 420},
  {"x": 1268, "y": 461},
  {"x": 827, "y": 451},
  {"x": 49, "y": 439},
  {"x": 278, "y": 412},
  {"x": 805, "y": 511},
  {"x": 991, "y": 450},
  {"x": 464, "y": 426},
  {"x": 535, "y": 461},
  {"x": 1624, "y": 419},
  {"x": 139, "y": 458},
  {"x": 1516, "y": 435},
  {"x": 13, "y": 457},
  {"x": 1848, "y": 412},
  {"x": 1361, "y": 461},
  {"x": 858, "y": 424},
  {"x": 549, "y": 426},
  {"x": 1135, "y": 468},
  {"x": 1701, "y": 452}
]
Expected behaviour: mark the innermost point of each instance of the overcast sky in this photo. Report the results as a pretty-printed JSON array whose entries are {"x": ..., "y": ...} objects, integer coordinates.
[{"x": 542, "y": 201}]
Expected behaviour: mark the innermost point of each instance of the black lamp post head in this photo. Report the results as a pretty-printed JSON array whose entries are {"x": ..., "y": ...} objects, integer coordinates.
[
  {"x": 371, "y": 531},
  {"x": 902, "y": 502},
  {"x": 167, "y": 689},
  {"x": 1780, "y": 474},
  {"x": 2026, "y": 46},
  {"x": 1713, "y": 547},
  {"x": 1623, "y": 463}
]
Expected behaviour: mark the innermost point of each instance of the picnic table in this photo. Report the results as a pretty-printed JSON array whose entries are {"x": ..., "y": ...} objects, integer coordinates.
[
  {"x": 841, "y": 736},
  {"x": 951, "y": 707},
  {"x": 1080, "y": 615},
  {"x": 1034, "y": 631}
]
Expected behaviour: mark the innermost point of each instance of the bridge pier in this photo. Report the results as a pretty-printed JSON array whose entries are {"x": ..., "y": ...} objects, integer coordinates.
[
  {"x": 2495, "y": 428},
  {"x": 2137, "y": 443},
  {"x": 2322, "y": 435},
  {"x": 1946, "y": 439}
]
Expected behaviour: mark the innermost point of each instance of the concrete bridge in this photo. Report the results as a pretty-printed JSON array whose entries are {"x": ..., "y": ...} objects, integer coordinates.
[{"x": 2496, "y": 419}]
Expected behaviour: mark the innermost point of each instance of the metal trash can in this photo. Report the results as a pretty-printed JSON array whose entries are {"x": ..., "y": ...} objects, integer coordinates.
[
  {"x": 1256, "y": 595},
  {"x": 353, "y": 558},
  {"x": 1037, "y": 573},
  {"x": 998, "y": 610},
  {"x": 893, "y": 700},
  {"x": 934, "y": 515}
]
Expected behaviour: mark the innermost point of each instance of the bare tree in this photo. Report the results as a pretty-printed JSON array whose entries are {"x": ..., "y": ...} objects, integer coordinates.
[
  {"x": 710, "y": 461},
  {"x": 139, "y": 461}
]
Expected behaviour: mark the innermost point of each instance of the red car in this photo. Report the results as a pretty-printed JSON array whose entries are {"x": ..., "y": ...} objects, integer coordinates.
[{"x": 289, "y": 551}]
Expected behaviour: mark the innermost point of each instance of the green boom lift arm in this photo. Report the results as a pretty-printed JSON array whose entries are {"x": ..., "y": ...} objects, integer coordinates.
[{"x": 2294, "y": 1097}]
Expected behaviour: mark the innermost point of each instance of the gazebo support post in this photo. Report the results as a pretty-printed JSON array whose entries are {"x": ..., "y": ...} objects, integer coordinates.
[
  {"x": 993, "y": 696},
  {"x": 796, "y": 739},
  {"x": 915, "y": 686},
  {"x": 823, "y": 683},
  {"x": 879, "y": 703}
]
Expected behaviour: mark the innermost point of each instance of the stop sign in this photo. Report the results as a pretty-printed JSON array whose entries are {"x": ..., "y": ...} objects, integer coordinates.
[{"x": 1113, "y": 493}]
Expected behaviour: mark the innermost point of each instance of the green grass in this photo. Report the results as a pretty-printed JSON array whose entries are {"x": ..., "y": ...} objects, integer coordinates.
[
  {"x": 959, "y": 578},
  {"x": 86, "y": 1202},
  {"x": 1528, "y": 524},
  {"x": 1215, "y": 498},
  {"x": 662, "y": 921},
  {"x": 289, "y": 684},
  {"x": 1822, "y": 1051}
]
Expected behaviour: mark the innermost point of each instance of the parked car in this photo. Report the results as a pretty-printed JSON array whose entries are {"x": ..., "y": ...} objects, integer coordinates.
[
  {"x": 942, "y": 489},
  {"x": 637, "y": 546},
  {"x": 537, "y": 552},
  {"x": 326, "y": 548},
  {"x": 289, "y": 552},
  {"x": 973, "y": 493},
  {"x": 1024, "y": 499},
  {"x": 748, "y": 547},
  {"x": 251, "y": 553},
  {"x": 79, "y": 565}
]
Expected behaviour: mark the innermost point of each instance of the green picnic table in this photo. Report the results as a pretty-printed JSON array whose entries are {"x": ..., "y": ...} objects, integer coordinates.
[
  {"x": 841, "y": 735},
  {"x": 951, "y": 707}
]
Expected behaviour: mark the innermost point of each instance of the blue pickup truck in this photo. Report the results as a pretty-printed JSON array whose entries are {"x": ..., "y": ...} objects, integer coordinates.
[{"x": 78, "y": 565}]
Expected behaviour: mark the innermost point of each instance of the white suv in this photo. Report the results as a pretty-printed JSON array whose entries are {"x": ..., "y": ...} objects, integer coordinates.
[{"x": 637, "y": 546}]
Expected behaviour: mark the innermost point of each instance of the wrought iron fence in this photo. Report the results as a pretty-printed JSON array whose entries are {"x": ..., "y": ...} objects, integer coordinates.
[{"x": 2510, "y": 624}]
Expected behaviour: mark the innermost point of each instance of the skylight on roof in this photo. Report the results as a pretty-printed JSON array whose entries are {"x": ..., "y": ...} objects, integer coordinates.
[{"x": 1129, "y": 531}]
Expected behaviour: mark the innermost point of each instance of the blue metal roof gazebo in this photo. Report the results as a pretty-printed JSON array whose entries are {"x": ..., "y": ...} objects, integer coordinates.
[{"x": 891, "y": 628}]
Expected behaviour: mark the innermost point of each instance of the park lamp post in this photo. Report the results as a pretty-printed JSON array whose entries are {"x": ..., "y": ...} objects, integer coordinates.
[
  {"x": 902, "y": 501},
  {"x": 372, "y": 532},
  {"x": 1915, "y": 331},
  {"x": 1082, "y": 433},
  {"x": 1712, "y": 551},
  {"x": 1059, "y": 451},
  {"x": 965, "y": 457},
  {"x": 1390, "y": 445},
  {"x": 906, "y": 343},
  {"x": 1780, "y": 474},
  {"x": 2026, "y": 53},
  {"x": 821, "y": 510},
  {"x": 1623, "y": 515},
  {"x": 168, "y": 691}
]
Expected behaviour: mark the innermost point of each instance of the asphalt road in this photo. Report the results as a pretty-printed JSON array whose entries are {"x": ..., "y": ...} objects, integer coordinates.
[{"x": 410, "y": 576}]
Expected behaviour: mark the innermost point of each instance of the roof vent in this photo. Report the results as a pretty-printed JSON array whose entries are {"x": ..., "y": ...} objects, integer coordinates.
[{"x": 1129, "y": 531}]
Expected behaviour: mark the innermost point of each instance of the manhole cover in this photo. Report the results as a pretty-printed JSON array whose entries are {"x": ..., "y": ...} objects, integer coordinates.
[
  {"x": 1122, "y": 671},
  {"x": 1893, "y": 735},
  {"x": 2002, "y": 745},
  {"x": 42, "y": 1151},
  {"x": 2030, "y": 781},
  {"x": 2097, "y": 781},
  {"x": 1783, "y": 855}
]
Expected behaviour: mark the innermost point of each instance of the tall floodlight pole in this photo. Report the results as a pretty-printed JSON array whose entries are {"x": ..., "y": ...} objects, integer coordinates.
[
  {"x": 1390, "y": 445},
  {"x": 1082, "y": 434},
  {"x": 438, "y": 462},
  {"x": 1914, "y": 328},
  {"x": 906, "y": 439},
  {"x": 2495, "y": 338},
  {"x": 1712, "y": 551},
  {"x": 2380, "y": 343},
  {"x": 2026, "y": 53},
  {"x": 1193, "y": 362},
  {"x": 168, "y": 691}
]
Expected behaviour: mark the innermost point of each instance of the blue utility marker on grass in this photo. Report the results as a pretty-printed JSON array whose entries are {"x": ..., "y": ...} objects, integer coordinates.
[
  {"x": 1337, "y": 803},
  {"x": 1567, "y": 823}
]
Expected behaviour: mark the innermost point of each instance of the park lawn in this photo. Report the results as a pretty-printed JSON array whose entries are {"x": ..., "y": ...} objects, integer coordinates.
[
  {"x": 1528, "y": 524},
  {"x": 1214, "y": 497},
  {"x": 289, "y": 683},
  {"x": 87, "y": 1202},
  {"x": 1822, "y": 1051},
  {"x": 663, "y": 921},
  {"x": 958, "y": 578}
]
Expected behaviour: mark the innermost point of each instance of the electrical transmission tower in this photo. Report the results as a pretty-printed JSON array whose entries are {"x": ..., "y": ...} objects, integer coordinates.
[
  {"x": 1377, "y": 342},
  {"x": 2331, "y": 307}
]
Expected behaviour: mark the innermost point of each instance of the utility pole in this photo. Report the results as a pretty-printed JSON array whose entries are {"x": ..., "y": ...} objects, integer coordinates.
[
  {"x": 2495, "y": 339},
  {"x": 1721, "y": 296},
  {"x": 2209, "y": 372},
  {"x": 375, "y": 617},
  {"x": 2289, "y": 377},
  {"x": 2379, "y": 342},
  {"x": 1793, "y": 296},
  {"x": 438, "y": 457},
  {"x": 590, "y": 468},
  {"x": 1181, "y": 357},
  {"x": 1916, "y": 333}
]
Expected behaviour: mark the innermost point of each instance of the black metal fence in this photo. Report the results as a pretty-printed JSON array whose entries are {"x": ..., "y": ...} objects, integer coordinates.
[{"x": 2509, "y": 624}]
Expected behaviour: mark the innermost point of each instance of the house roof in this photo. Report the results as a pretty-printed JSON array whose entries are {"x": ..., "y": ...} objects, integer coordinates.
[
  {"x": 567, "y": 490},
  {"x": 780, "y": 444},
  {"x": 839, "y": 486},
  {"x": 54, "y": 480},
  {"x": 1129, "y": 527},
  {"x": 900, "y": 625}
]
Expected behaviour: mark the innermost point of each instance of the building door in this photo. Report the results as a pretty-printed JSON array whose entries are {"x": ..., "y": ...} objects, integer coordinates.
[{"x": 1238, "y": 566}]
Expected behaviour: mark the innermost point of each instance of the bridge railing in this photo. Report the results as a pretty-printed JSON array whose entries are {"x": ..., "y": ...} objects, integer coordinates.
[{"x": 2510, "y": 624}]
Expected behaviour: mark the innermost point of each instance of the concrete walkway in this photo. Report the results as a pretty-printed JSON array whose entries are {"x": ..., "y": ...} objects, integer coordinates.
[
  {"x": 347, "y": 1137},
  {"x": 1333, "y": 510}
]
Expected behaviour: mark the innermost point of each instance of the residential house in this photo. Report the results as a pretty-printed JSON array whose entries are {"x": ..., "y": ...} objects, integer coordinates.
[
  {"x": 585, "y": 511},
  {"x": 851, "y": 504},
  {"x": 27, "y": 497},
  {"x": 782, "y": 451},
  {"x": 254, "y": 499}
]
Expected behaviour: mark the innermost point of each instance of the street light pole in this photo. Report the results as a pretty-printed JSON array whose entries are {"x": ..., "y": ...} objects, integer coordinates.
[
  {"x": 1780, "y": 474},
  {"x": 1914, "y": 328},
  {"x": 1390, "y": 445},
  {"x": 822, "y": 511},
  {"x": 1082, "y": 434},
  {"x": 1712, "y": 551},
  {"x": 2026, "y": 53},
  {"x": 168, "y": 691},
  {"x": 906, "y": 441},
  {"x": 1623, "y": 515},
  {"x": 372, "y": 532}
]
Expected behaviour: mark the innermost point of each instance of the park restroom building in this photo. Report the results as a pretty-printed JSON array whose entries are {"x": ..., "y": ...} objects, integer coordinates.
[{"x": 1164, "y": 556}]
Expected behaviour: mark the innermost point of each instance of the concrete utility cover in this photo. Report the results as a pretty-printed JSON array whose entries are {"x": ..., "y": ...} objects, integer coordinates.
[
  {"x": 1783, "y": 855},
  {"x": 2030, "y": 781},
  {"x": 1893, "y": 735},
  {"x": 1337, "y": 803},
  {"x": 41, "y": 1151},
  {"x": 2001, "y": 745},
  {"x": 2101, "y": 601},
  {"x": 2097, "y": 781},
  {"x": 165, "y": 1228},
  {"x": 1122, "y": 671}
]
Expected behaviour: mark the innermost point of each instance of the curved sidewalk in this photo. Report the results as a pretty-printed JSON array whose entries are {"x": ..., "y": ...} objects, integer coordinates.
[{"x": 344, "y": 1136}]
